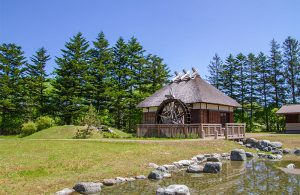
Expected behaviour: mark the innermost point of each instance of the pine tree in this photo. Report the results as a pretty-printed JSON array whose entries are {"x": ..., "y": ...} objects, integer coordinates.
[
  {"x": 229, "y": 75},
  {"x": 98, "y": 72},
  {"x": 292, "y": 67},
  {"x": 12, "y": 101},
  {"x": 214, "y": 69},
  {"x": 71, "y": 78},
  {"x": 36, "y": 78},
  {"x": 264, "y": 88}
]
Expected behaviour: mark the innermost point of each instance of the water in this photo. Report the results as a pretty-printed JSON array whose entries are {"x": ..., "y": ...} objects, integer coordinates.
[{"x": 252, "y": 177}]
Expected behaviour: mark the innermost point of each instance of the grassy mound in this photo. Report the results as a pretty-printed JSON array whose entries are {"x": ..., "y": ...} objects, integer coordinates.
[{"x": 68, "y": 131}]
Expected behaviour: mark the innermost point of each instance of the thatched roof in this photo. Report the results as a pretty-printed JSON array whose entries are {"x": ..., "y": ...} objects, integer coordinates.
[
  {"x": 191, "y": 91},
  {"x": 289, "y": 109}
]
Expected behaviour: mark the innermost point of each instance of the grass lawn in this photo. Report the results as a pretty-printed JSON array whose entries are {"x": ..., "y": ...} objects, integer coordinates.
[{"x": 33, "y": 166}]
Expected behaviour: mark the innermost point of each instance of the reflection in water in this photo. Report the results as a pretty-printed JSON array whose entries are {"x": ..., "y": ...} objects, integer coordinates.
[{"x": 251, "y": 177}]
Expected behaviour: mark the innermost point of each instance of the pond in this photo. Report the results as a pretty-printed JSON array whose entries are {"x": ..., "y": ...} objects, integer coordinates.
[{"x": 255, "y": 176}]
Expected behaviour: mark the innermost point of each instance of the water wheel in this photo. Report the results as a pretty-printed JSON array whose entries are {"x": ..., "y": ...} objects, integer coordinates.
[{"x": 173, "y": 111}]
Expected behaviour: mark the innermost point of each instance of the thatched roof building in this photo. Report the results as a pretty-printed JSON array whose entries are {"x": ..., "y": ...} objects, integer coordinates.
[
  {"x": 188, "y": 99},
  {"x": 292, "y": 117}
]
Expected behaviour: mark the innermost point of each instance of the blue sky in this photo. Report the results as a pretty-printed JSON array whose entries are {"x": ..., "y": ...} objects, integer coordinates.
[{"x": 184, "y": 33}]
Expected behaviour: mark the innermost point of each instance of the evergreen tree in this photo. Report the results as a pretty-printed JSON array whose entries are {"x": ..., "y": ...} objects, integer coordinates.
[
  {"x": 229, "y": 75},
  {"x": 292, "y": 67},
  {"x": 36, "y": 78},
  {"x": 98, "y": 72},
  {"x": 264, "y": 88},
  {"x": 12, "y": 101},
  {"x": 277, "y": 79},
  {"x": 214, "y": 69},
  {"x": 72, "y": 78}
]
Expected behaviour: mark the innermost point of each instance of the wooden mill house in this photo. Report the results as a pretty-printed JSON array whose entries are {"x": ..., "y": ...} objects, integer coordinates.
[
  {"x": 189, "y": 106},
  {"x": 292, "y": 117}
]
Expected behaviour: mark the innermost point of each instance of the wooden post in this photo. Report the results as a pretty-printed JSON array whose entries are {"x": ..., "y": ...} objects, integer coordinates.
[
  {"x": 226, "y": 132},
  {"x": 158, "y": 131},
  {"x": 216, "y": 134},
  {"x": 138, "y": 131},
  {"x": 185, "y": 131}
]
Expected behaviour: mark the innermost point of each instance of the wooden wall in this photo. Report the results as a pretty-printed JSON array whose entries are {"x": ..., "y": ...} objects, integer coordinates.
[
  {"x": 149, "y": 117},
  {"x": 292, "y": 118}
]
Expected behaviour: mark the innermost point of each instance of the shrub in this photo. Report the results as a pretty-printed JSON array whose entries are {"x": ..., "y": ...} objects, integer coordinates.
[
  {"x": 110, "y": 135},
  {"x": 28, "y": 129},
  {"x": 82, "y": 133},
  {"x": 44, "y": 122}
]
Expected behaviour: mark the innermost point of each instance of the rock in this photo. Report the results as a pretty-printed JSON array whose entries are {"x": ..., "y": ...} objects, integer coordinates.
[
  {"x": 271, "y": 156},
  {"x": 109, "y": 182},
  {"x": 153, "y": 165},
  {"x": 291, "y": 166},
  {"x": 170, "y": 167},
  {"x": 276, "y": 144},
  {"x": 162, "y": 169},
  {"x": 88, "y": 187},
  {"x": 166, "y": 175},
  {"x": 65, "y": 191},
  {"x": 261, "y": 154},
  {"x": 178, "y": 165},
  {"x": 140, "y": 177},
  {"x": 238, "y": 155},
  {"x": 120, "y": 179},
  {"x": 156, "y": 175},
  {"x": 276, "y": 151},
  {"x": 213, "y": 159},
  {"x": 286, "y": 151},
  {"x": 249, "y": 154},
  {"x": 130, "y": 179},
  {"x": 251, "y": 141},
  {"x": 248, "y": 145},
  {"x": 212, "y": 167},
  {"x": 200, "y": 157},
  {"x": 241, "y": 143},
  {"x": 264, "y": 143},
  {"x": 195, "y": 169},
  {"x": 225, "y": 154},
  {"x": 185, "y": 163},
  {"x": 296, "y": 151},
  {"x": 278, "y": 156},
  {"x": 110, "y": 130},
  {"x": 173, "y": 190},
  {"x": 207, "y": 155}
]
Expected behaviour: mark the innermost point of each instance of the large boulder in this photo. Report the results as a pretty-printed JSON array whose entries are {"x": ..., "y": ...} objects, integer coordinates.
[
  {"x": 174, "y": 190},
  {"x": 65, "y": 191},
  {"x": 212, "y": 167},
  {"x": 276, "y": 144},
  {"x": 195, "y": 169},
  {"x": 238, "y": 155},
  {"x": 88, "y": 187}
]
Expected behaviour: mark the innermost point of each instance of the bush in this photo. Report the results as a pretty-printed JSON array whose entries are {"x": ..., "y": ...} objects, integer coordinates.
[
  {"x": 44, "y": 122},
  {"x": 28, "y": 129},
  {"x": 82, "y": 133},
  {"x": 110, "y": 135}
]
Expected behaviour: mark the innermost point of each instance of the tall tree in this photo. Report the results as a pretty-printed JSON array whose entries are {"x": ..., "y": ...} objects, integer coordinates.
[
  {"x": 264, "y": 88},
  {"x": 277, "y": 79},
  {"x": 229, "y": 75},
  {"x": 36, "y": 78},
  {"x": 71, "y": 78},
  {"x": 98, "y": 72},
  {"x": 214, "y": 70},
  {"x": 292, "y": 67},
  {"x": 12, "y": 101}
]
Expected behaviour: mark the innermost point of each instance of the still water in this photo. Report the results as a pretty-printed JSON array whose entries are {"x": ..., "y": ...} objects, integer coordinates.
[{"x": 252, "y": 177}]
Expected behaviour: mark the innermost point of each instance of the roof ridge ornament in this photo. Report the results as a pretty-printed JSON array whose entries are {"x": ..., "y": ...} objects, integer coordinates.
[
  {"x": 171, "y": 94},
  {"x": 194, "y": 73}
]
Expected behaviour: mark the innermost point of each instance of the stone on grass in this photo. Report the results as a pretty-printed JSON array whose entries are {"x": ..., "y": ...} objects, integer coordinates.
[
  {"x": 129, "y": 179},
  {"x": 271, "y": 156},
  {"x": 65, "y": 191},
  {"x": 174, "y": 190},
  {"x": 185, "y": 163},
  {"x": 195, "y": 169},
  {"x": 120, "y": 179},
  {"x": 297, "y": 151},
  {"x": 88, "y": 187},
  {"x": 277, "y": 151},
  {"x": 248, "y": 145},
  {"x": 212, "y": 167},
  {"x": 291, "y": 166},
  {"x": 276, "y": 144},
  {"x": 238, "y": 155},
  {"x": 170, "y": 167},
  {"x": 153, "y": 165},
  {"x": 156, "y": 175},
  {"x": 162, "y": 169},
  {"x": 213, "y": 159},
  {"x": 140, "y": 177},
  {"x": 249, "y": 154},
  {"x": 286, "y": 151},
  {"x": 254, "y": 142},
  {"x": 200, "y": 157},
  {"x": 109, "y": 182}
]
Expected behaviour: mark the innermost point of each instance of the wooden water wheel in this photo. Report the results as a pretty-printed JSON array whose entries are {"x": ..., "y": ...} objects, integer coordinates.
[{"x": 173, "y": 111}]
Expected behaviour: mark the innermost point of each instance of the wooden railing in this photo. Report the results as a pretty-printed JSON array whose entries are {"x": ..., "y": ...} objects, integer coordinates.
[
  {"x": 232, "y": 130},
  {"x": 235, "y": 130}
]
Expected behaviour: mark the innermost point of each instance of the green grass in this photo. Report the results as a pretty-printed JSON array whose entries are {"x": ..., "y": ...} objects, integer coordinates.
[{"x": 67, "y": 132}]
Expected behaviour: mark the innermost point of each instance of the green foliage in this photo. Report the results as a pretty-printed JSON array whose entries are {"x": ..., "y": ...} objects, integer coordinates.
[
  {"x": 91, "y": 118},
  {"x": 110, "y": 135},
  {"x": 82, "y": 133},
  {"x": 28, "y": 129},
  {"x": 44, "y": 122}
]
